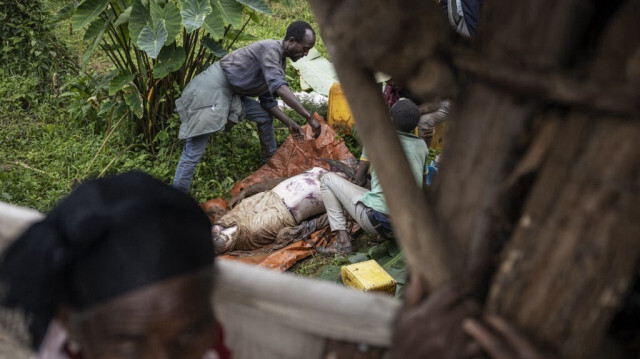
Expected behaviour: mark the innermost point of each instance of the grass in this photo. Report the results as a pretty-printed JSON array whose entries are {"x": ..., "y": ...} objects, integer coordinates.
[
  {"x": 49, "y": 145},
  {"x": 312, "y": 266}
]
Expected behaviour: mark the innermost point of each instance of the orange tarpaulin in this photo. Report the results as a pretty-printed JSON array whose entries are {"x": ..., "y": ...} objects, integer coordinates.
[
  {"x": 290, "y": 159},
  {"x": 293, "y": 157}
]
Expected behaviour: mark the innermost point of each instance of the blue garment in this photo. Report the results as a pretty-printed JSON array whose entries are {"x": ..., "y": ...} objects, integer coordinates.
[
  {"x": 470, "y": 10},
  {"x": 212, "y": 98},
  {"x": 195, "y": 146},
  {"x": 385, "y": 229}
]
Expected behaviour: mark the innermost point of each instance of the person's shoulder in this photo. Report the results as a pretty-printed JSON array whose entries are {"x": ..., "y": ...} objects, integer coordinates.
[
  {"x": 415, "y": 142},
  {"x": 407, "y": 136},
  {"x": 268, "y": 43}
]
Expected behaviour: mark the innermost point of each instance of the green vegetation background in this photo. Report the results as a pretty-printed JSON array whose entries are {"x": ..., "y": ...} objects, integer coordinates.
[
  {"x": 51, "y": 140},
  {"x": 49, "y": 144}
]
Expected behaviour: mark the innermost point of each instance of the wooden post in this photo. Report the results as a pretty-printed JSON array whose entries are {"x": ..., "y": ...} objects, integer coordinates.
[{"x": 541, "y": 169}]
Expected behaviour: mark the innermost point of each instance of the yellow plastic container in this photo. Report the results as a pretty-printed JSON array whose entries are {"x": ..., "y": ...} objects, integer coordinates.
[
  {"x": 339, "y": 113},
  {"x": 368, "y": 276},
  {"x": 437, "y": 143}
]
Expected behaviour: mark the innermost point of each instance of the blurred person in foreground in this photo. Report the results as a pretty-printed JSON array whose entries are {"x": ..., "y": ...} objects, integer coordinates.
[{"x": 121, "y": 268}]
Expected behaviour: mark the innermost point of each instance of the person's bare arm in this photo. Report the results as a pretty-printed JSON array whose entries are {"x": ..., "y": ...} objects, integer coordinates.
[
  {"x": 294, "y": 128},
  {"x": 254, "y": 189},
  {"x": 361, "y": 173},
  {"x": 290, "y": 99}
]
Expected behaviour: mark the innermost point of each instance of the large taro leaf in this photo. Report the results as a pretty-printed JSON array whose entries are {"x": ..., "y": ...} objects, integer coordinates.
[
  {"x": 257, "y": 5},
  {"x": 151, "y": 40},
  {"x": 331, "y": 273},
  {"x": 156, "y": 12},
  {"x": 397, "y": 268},
  {"x": 94, "y": 35},
  {"x": 93, "y": 30},
  {"x": 124, "y": 17},
  {"x": 169, "y": 16},
  {"x": 119, "y": 81},
  {"x": 316, "y": 71},
  {"x": 88, "y": 11},
  {"x": 231, "y": 11},
  {"x": 133, "y": 99},
  {"x": 214, "y": 23},
  {"x": 138, "y": 20},
  {"x": 170, "y": 59},
  {"x": 120, "y": 110},
  {"x": 234, "y": 34},
  {"x": 193, "y": 13},
  {"x": 64, "y": 13},
  {"x": 214, "y": 47}
]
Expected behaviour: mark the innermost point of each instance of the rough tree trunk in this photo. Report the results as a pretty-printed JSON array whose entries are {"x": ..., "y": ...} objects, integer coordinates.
[{"x": 543, "y": 154}]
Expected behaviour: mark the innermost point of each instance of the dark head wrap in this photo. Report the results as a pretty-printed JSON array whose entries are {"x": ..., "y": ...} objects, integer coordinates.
[{"x": 110, "y": 236}]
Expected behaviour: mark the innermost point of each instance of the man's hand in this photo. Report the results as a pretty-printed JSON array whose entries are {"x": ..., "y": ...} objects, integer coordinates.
[
  {"x": 432, "y": 328},
  {"x": 296, "y": 132},
  {"x": 500, "y": 340},
  {"x": 315, "y": 125}
]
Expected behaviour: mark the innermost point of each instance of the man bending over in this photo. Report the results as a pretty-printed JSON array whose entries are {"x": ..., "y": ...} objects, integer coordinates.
[{"x": 368, "y": 207}]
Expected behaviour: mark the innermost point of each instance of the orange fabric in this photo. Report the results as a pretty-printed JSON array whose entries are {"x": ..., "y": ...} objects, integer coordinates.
[
  {"x": 215, "y": 208},
  {"x": 293, "y": 158},
  {"x": 284, "y": 258},
  {"x": 290, "y": 159}
]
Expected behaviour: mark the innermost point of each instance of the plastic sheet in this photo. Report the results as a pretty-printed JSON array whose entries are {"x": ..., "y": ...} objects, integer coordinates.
[{"x": 294, "y": 157}]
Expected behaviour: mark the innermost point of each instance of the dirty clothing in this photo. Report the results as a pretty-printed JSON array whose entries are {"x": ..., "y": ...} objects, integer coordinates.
[
  {"x": 207, "y": 103},
  {"x": 195, "y": 146},
  {"x": 301, "y": 194},
  {"x": 221, "y": 93},
  {"x": 339, "y": 194},
  {"x": 368, "y": 207},
  {"x": 259, "y": 219}
]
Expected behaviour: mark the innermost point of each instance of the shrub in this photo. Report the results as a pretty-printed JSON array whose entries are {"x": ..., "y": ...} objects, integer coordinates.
[
  {"x": 29, "y": 45},
  {"x": 158, "y": 46}
]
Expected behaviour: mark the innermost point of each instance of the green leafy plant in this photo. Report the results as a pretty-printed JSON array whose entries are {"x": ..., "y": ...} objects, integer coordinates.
[
  {"x": 28, "y": 43},
  {"x": 158, "y": 46}
]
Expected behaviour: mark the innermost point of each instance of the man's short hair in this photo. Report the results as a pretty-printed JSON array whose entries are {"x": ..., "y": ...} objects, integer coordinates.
[
  {"x": 298, "y": 29},
  {"x": 405, "y": 115}
]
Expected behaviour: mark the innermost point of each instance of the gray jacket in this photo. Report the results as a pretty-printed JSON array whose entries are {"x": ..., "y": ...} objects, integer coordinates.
[{"x": 207, "y": 103}]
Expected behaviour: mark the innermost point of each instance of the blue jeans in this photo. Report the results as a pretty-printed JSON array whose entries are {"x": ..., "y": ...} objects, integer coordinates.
[
  {"x": 264, "y": 121},
  {"x": 195, "y": 146}
]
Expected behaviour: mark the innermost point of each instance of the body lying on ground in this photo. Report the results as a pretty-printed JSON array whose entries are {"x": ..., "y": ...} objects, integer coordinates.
[{"x": 264, "y": 218}]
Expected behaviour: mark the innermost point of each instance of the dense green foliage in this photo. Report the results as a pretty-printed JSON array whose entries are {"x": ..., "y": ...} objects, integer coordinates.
[
  {"x": 29, "y": 44},
  {"x": 49, "y": 144},
  {"x": 157, "y": 47}
]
